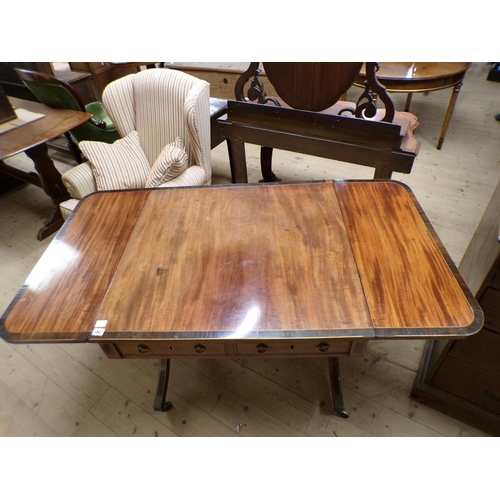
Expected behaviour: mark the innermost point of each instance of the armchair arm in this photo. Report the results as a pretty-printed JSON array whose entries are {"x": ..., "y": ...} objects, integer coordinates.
[
  {"x": 193, "y": 176},
  {"x": 79, "y": 181}
]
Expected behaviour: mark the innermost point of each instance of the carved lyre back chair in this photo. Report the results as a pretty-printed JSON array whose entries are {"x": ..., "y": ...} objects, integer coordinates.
[{"x": 319, "y": 87}]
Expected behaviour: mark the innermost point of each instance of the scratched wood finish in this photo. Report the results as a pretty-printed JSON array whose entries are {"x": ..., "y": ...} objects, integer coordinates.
[
  {"x": 406, "y": 279},
  {"x": 237, "y": 259},
  {"x": 53, "y": 124},
  {"x": 63, "y": 293}
]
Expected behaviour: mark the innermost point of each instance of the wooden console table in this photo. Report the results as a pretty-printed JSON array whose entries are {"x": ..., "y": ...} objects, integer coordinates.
[
  {"x": 312, "y": 269},
  {"x": 31, "y": 139}
]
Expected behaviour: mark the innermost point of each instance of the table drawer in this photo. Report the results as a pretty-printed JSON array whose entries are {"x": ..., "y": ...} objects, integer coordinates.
[
  {"x": 171, "y": 349},
  {"x": 292, "y": 348}
]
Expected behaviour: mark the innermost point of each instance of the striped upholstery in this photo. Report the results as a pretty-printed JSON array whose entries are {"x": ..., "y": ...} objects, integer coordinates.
[
  {"x": 121, "y": 165},
  {"x": 173, "y": 160},
  {"x": 67, "y": 207},
  {"x": 161, "y": 105},
  {"x": 80, "y": 181}
]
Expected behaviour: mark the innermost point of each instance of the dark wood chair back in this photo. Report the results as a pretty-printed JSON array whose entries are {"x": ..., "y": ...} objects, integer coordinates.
[
  {"x": 315, "y": 86},
  {"x": 347, "y": 131}
]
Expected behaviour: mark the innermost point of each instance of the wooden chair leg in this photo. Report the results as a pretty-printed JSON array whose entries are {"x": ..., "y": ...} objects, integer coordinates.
[
  {"x": 74, "y": 149},
  {"x": 237, "y": 161},
  {"x": 266, "y": 165}
]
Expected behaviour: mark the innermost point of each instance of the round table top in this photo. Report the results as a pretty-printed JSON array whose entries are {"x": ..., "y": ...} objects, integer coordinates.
[
  {"x": 420, "y": 70},
  {"x": 418, "y": 76}
]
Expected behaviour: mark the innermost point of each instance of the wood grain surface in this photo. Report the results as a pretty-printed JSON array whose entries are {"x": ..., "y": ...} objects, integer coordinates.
[
  {"x": 54, "y": 123},
  {"x": 406, "y": 279},
  {"x": 63, "y": 293},
  {"x": 238, "y": 259},
  {"x": 322, "y": 259}
]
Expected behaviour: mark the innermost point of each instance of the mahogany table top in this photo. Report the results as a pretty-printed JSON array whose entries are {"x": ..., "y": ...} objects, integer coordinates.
[
  {"x": 329, "y": 259},
  {"x": 54, "y": 123}
]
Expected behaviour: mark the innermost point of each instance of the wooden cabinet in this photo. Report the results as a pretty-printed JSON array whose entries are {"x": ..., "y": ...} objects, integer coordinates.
[
  {"x": 103, "y": 73},
  {"x": 462, "y": 378}
]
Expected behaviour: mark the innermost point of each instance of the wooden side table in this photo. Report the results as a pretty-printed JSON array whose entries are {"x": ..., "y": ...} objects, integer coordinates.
[
  {"x": 31, "y": 139},
  {"x": 411, "y": 77}
]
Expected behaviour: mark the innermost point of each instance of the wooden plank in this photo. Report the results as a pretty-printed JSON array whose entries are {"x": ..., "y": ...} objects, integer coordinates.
[
  {"x": 73, "y": 378},
  {"x": 126, "y": 418},
  {"x": 185, "y": 419},
  {"x": 64, "y": 413},
  {"x": 248, "y": 419},
  {"x": 18, "y": 419},
  {"x": 281, "y": 403}
]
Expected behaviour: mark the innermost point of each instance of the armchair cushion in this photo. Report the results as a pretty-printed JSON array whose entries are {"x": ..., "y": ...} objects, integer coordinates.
[
  {"x": 171, "y": 162},
  {"x": 121, "y": 165}
]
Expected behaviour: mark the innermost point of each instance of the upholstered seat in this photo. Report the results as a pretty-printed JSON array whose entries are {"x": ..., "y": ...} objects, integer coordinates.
[{"x": 164, "y": 110}]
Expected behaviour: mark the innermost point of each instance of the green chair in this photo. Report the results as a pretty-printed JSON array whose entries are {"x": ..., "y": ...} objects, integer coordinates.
[{"x": 57, "y": 93}]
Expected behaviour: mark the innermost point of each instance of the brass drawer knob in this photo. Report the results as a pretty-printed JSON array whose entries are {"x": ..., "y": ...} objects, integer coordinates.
[
  {"x": 323, "y": 347},
  {"x": 142, "y": 349},
  {"x": 200, "y": 349},
  {"x": 262, "y": 348}
]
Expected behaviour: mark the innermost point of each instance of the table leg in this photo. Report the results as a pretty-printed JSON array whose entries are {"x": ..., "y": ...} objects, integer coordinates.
[
  {"x": 449, "y": 113},
  {"x": 51, "y": 182},
  {"x": 161, "y": 392},
  {"x": 408, "y": 101},
  {"x": 336, "y": 388}
]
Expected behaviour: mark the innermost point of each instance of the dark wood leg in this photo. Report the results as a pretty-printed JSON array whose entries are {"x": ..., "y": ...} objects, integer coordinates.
[
  {"x": 161, "y": 392},
  {"x": 74, "y": 149},
  {"x": 237, "y": 160},
  {"x": 51, "y": 182},
  {"x": 336, "y": 388},
  {"x": 266, "y": 165},
  {"x": 408, "y": 101}
]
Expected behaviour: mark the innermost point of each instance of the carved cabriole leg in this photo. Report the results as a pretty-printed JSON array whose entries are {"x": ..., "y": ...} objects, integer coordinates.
[
  {"x": 266, "y": 165},
  {"x": 336, "y": 388},
  {"x": 160, "y": 403}
]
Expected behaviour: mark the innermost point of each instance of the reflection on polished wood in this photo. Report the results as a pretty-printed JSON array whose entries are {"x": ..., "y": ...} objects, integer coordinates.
[
  {"x": 282, "y": 270},
  {"x": 410, "y": 77}
]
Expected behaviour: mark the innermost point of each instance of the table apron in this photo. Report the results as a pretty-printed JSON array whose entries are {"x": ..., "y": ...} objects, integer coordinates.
[{"x": 267, "y": 348}]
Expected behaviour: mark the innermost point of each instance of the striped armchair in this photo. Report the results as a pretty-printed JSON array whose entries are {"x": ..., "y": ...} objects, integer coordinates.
[{"x": 161, "y": 105}]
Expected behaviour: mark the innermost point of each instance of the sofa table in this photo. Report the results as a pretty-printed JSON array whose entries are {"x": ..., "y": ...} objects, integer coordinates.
[{"x": 313, "y": 269}]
